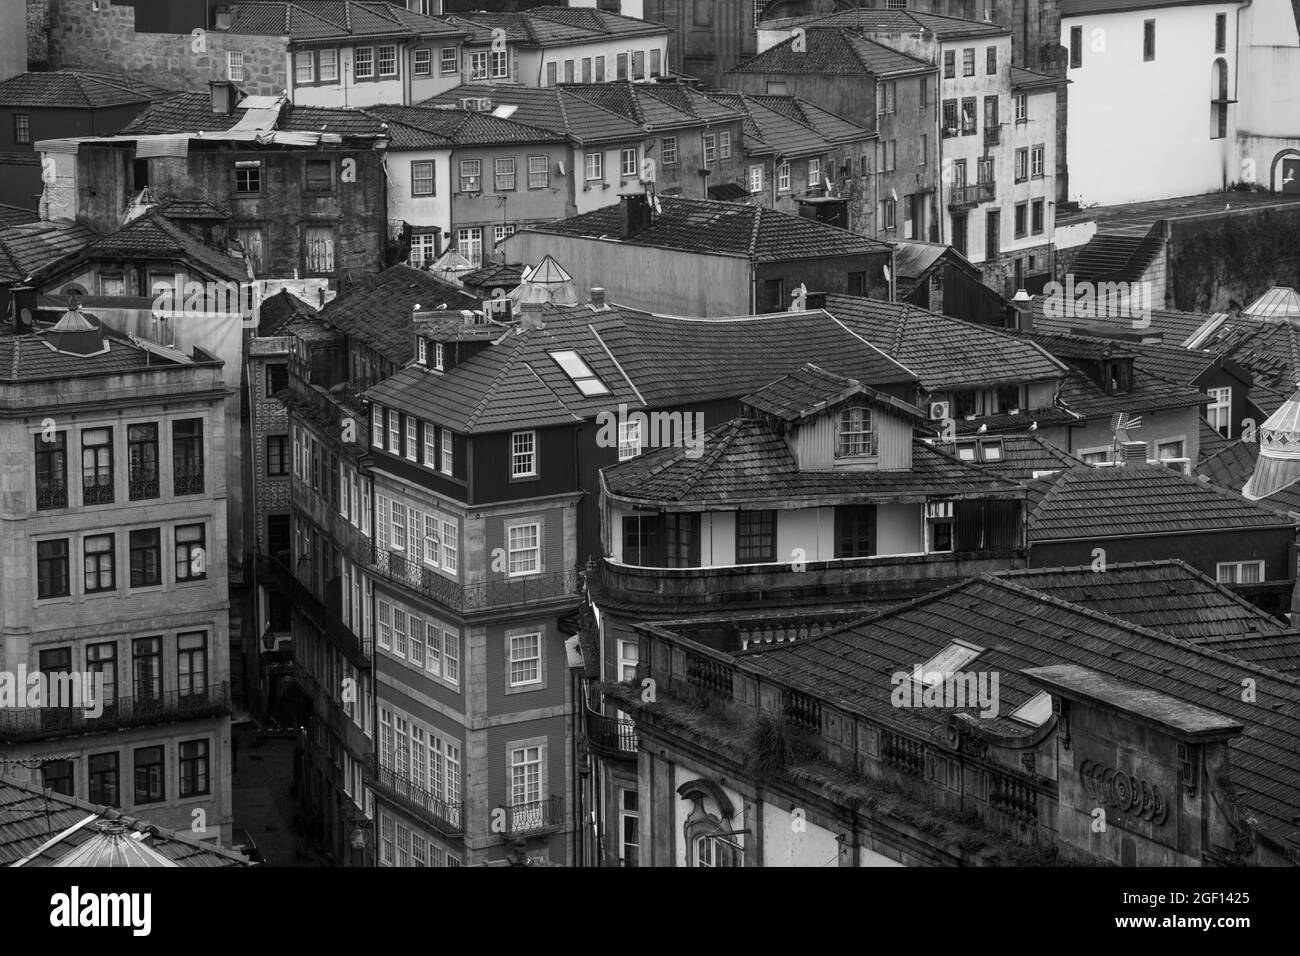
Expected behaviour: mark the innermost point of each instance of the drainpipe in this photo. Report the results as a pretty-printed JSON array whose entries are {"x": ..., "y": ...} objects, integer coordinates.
[{"x": 1236, "y": 71}]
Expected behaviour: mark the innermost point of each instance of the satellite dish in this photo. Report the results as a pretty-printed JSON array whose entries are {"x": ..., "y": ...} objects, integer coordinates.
[
  {"x": 893, "y": 194},
  {"x": 561, "y": 165}
]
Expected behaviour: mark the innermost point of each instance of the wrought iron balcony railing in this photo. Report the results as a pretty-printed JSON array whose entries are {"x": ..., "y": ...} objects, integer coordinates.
[
  {"x": 535, "y": 816},
  {"x": 142, "y": 486},
  {"x": 444, "y": 815},
  {"x": 51, "y": 494},
  {"x": 189, "y": 481},
  {"x": 608, "y": 736},
  {"x": 960, "y": 196},
  {"x": 468, "y": 598},
  {"x": 97, "y": 491},
  {"x": 31, "y": 723},
  {"x": 992, "y": 135}
]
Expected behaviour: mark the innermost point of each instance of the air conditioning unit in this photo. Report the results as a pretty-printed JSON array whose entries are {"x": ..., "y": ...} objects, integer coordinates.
[{"x": 938, "y": 411}]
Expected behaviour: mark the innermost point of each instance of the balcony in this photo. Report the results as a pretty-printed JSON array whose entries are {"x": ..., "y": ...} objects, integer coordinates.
[
  {"x": 964, "y": 197},
  {"x": 992, "y": 135},
  {"x": 470, "y": 598},
  {"x": 189, "y": 481},
  {"x": 97, "y": 491},
  {"x": 883, "y": 580},
  {"x": 51, "y": 494},
  {"x": 446, "y": 817},
  {"x": 142, "y": 486},
  {"x": 611, "y": 737},
  {"x": 536, "y": 817},
  {"x": 34, "y": 723}
]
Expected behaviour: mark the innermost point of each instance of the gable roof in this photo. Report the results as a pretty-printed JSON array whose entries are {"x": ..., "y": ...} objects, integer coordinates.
[
  {"x": 29, "y": 248},
  {"x": 832, "y": 50},
  {"x": 68, "y": 89},
  {"x": 31, "y": 815},
  {"x": 943, "y": 351},
  {"x": 1087, "y": 503},
  {"x": 790, "y": 127},
  {"x": 1268, "y": 348},
  {"x": 16, "y": 216},
  {"x": 1234, "y": 465},
  {"x": 323, "y": 20},
  {"x": 1020, "y": 628},
  {"x": 552, "y": 26},
  {"x": 1169, "y": 596},
  {"x": 377, "y": 310},
  {"x": 707, "y": 226},
  {"x": 810, "y": 390},
  {"x": 155, "y": 236},
  {"x": 645, "y": 360},
  {"x": 745, "y": 462}
]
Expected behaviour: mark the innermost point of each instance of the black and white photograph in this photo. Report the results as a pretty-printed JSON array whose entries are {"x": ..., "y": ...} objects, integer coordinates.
[{"x": 649, "y": 434}]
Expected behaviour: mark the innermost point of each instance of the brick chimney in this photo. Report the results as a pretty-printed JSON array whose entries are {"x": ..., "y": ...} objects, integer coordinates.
[
  {"x": 530, "y": 315},
  {"x": 225, "y": 97},
  {"x": 634, "y": 214},
  {"x": 598, "y": 303}
]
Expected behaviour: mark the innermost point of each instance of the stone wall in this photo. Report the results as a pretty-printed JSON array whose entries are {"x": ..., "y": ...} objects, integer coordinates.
[
  {"x": 38, "y": 12},
  {"x": 106, "y": 39}
]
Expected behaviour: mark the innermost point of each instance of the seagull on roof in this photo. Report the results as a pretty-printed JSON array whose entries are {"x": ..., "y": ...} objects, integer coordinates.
[
  {"x": 1034, "y": 427},
  {"x": 982, "y": 429}
]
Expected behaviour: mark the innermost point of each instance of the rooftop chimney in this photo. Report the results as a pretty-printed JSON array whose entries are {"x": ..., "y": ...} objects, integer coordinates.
[
  {"x": 1023, "y": 303},
  {"x": 598, "y": 299},
  {"x": 22, "y": 304},
  {"x": 530, "y": 315},
  {"x": 635, "y": 214}
]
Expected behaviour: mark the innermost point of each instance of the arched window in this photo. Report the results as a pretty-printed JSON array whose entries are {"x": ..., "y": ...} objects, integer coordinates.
[{"x": 1219, "y": 99}]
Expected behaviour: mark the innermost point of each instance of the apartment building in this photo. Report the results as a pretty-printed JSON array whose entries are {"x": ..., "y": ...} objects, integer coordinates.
[{"x": 115, "y": 569}]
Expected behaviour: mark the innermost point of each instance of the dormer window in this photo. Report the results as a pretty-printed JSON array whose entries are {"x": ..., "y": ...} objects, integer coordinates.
[
  {"x": 855, "y": 436},
  {"x": 438, "y": 355},
  {"x": 1118, "y": 376},
  {"x": 421, "y": 352}
]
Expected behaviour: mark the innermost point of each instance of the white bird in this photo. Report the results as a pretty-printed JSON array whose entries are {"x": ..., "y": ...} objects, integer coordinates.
[
  {"x": 982, "y": 429},
  {"x": 1034, "y": 427}
]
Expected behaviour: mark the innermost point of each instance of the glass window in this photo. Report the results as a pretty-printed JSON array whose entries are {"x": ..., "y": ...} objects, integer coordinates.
[
  {"x": 525, "y": 776},
  {"x": 523, "y": 454},
  {"x": 97, "y": 466},
  {"x": 187, "y": 456},
  {"x": 968, "y": 61},
  {"x": 52, "y": 471},
  {"x": 191, "y": 558},
  {"x": 594, "y": 164},
  {"x": 194, "y": 767},
  {"x": 504, "y": 167},
  {"x": 523, "y": 549},
  {"x": 500, "y": 64},
  {"x": 52, "y": 568},
  {"x": 101, "y": 659},
  {"x": 447, "y": 60},
  {"x": 22, "y": 128},
  {"x": 755, "y": 537},
  {"x": 364, "y": 63},
  {"x": 146, "y": 558},
  {"x": 191, "y": 663},
  {"x": 146, "y": 668},
  {"x": 525, "y": 659},
  {"x": 104, "y": 780},
  {"x": 98, "y": 555},
  {"x": 668, "y": 151},
  {"x": 539, "y": 172},
  {"x": 304, "y": 68},
  {"x": 328, "y": 66},
  {"x": 855, "y": 437},
  {"x": 724, "y": 144},
  {"x": 234, "y": 66},
  {"x": 422, "y": 183},
  {"x": 423, "y": 62}
]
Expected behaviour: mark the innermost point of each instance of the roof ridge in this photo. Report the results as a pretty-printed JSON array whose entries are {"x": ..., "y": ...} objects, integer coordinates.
[
  {"x": 755, "y": 230},
  {"x": 507, "y": 361}
]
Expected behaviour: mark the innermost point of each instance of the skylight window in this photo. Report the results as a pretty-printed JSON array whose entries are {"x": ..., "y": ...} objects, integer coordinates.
[
  {"x": 1034, "y": 711},
  {"x": 581, "y": 374},
  {"x": 948, "y": 661}
]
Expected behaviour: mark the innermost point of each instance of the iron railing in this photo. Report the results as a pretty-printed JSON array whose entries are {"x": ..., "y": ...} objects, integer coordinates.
[
  {"x": 971, "y": 195},
  {"x": 444, "y": 815},
  {"x": 51, "y": 494},
  {"x": 97, "y": 491},
  {"x": 189, "y": 481},
  {"x": 468, "y": 598},
  {"x": 141, "y": 487},
  {"x": 535, "y": 816},
  {"x": 29, "y": 723}
]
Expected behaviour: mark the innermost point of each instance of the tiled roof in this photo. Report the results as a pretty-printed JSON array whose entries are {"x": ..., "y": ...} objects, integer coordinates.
[
  {"x": 14, "y": 216},
  {"x": 657, "y": 361},
  {"x": 744, "y": 461},
  {"x": 1211, "y": 442},
  {"x": 464, "y": 127},
  {"x": 1234, "y": 464},
  {"x": 1167, "y": 596},
  {"x": 1269, "y": 349},
  {"x": 493, "y": 275},
  {"x": 910, "y": 21},
  {"x": 26, "y": 249},
  {"x": 1081, "y": 395},
  {"x": 1174, "y": 364},
  {"x": 183, "y": 113},
  {"x": 787, "y": 128},
  {"x": 314, "y": 20},
  {"x": 1024, "y": 454},
  {"x": 316, "y": 119},
  {"x": 1022, "y": 79},
  {"x": 279, "y": 310},
  {"x": 30, "y": 816},
  {"x": 1006, "y": 422},
  {"x": 556, "y": 108},
  {"x": 832, "y": 51},
  {"x": 708, "y": 226},
  {"x": 1020, "y": 629},
  {"x": 154, "y": 236},
  {"x": 191, "y": 209},
  {"x": 552, "y": 26},
  {"x": 1267, "y": 400},
  {"x": 66, "y": 89},
  {"x": 1078, "y": 8},
  {"x": 656, "y": 106},
  {"x": 1279, "y": 652},
  {"x": 1087, "y": 503},
  {"x": 809, "y": 390},
  {"x": 377, "y": 311},
  {"x": 27, "y": 358},
  {"x": 943, "y": 351},
  {"x": 1174, "y": 327}
]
